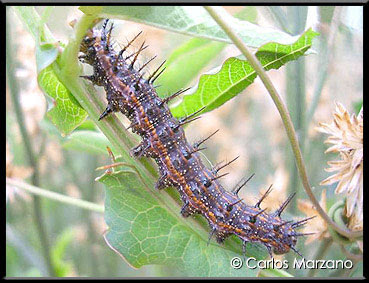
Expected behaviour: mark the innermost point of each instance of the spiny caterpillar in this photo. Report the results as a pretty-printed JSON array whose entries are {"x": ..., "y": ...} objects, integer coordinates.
[{"x": 180, "y": 166}]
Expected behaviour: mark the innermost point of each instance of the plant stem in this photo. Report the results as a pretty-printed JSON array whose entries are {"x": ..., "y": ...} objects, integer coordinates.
[
  {"x": 14, "y": 94},
  {"x": 216, "y": 13},
  {"x": 322, "y": 250},
  {"x": 55, "y": 196}
]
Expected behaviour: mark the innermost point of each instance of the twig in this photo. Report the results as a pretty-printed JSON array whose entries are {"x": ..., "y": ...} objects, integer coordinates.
[
  {"x": 55, "y": 196},
  {"x": 216, "y": 12}
]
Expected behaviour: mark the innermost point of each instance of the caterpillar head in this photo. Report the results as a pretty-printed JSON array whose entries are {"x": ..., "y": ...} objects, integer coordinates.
[
  {"x": 88, "y": 41},
  {"x": 92, "y": 35}
]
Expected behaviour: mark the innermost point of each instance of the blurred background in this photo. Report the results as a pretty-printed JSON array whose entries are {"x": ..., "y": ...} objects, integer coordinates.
[{"x": 45, "y": 238}]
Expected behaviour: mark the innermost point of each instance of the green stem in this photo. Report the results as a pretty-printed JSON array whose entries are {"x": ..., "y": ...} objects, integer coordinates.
[
  {"x": 14, "y": 94},
  {"x": 55, "y": 196},
  {"x": 216, "y": 12},
  {"x": 322, "y": 250}
]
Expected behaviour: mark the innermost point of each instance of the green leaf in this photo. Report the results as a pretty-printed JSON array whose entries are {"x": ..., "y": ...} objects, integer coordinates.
[
  {"x": 144, "y": 231},
  {"x": 91, "y": 10},
  {"x": 46, "y": 54},
  {"x": 88, "y": 141},
  {"x": 193, "y": 21},
  {"x": 88, "y": 125},
  {"x": 185, "y": 63},
  {"x": 236, "y": 74},
  {"x": 66, "y": 115}
]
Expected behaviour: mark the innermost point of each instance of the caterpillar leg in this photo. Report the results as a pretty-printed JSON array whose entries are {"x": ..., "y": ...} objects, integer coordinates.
[
  {"x": 187, "y": 209},
  {"x": 143, "y": 149},
  {"x": 163, "y": 182}
]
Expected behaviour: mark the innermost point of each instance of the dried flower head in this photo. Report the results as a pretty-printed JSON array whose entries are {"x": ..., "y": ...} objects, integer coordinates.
[
  {"x": 346, "y": 135},
  {"x": 317, "y": 225}
]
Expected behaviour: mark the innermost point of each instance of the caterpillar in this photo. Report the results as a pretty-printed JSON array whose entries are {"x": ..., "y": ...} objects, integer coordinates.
[{"x": 179, "y": 163}]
